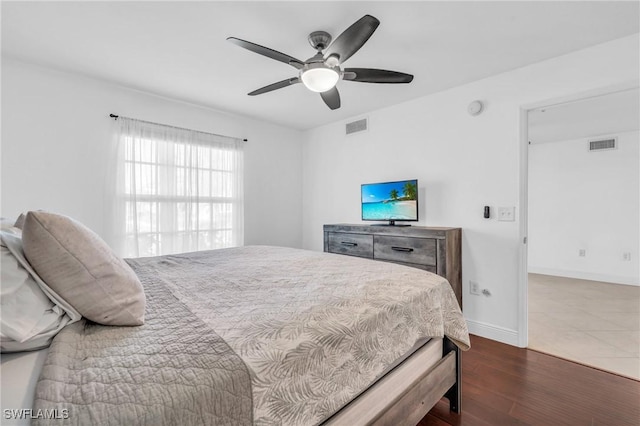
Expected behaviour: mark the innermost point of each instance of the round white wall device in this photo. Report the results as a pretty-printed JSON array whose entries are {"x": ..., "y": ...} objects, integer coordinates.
[{"x": 475, "y": 108}]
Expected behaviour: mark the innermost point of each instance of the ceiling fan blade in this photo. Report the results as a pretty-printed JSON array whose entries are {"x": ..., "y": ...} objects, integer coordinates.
[
  {"x": 352, "y": 39},
  {"x": 269, "y": 53},
  {"x": 332, "y": 98},
  {"x": 371, "y": 75},
  {"x": 275, "y": 86}
]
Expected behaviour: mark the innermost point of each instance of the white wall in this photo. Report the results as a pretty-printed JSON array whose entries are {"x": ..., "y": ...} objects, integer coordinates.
[
  {"x": 55, "y": 132},
  {"x": 462, "y": 164},
  {"x": 55, "y": 128},
  {"x": 585, "y": 200}
]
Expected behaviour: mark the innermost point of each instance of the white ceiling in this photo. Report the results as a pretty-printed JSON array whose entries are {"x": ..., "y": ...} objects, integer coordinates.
[
  {"x": 596, "y": 116},
  {"x": 179, "y": 49}
]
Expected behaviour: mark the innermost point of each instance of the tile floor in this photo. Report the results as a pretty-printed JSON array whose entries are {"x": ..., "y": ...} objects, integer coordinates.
[{"x": 590, "y": 322}]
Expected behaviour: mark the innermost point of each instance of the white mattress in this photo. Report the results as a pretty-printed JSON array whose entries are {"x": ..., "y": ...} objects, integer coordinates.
[{"x": 19, "y": 374}]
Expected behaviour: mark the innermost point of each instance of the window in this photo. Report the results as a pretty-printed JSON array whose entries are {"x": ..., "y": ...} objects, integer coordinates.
[{"x": 180, "y": 190}]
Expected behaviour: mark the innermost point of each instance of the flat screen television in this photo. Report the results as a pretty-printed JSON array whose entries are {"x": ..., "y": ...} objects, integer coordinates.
[{"x": 390, "y": 201}]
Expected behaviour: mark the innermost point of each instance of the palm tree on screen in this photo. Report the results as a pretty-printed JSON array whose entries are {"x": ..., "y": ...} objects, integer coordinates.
[{"x": 410, "y": 190}]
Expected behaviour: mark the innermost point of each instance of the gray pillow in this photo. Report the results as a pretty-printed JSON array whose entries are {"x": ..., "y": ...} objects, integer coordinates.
[
  {"x": 20, "y": 221},
  {"x": 78, "y": 265}
]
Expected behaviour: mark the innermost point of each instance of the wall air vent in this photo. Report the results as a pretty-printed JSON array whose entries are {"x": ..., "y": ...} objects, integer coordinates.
[
  {"x": 603, "y": 144},
  {"x": 357, "y": 126}
]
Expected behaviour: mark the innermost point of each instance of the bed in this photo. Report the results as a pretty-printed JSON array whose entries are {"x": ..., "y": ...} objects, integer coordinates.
[{"x": 262, "y": 335}]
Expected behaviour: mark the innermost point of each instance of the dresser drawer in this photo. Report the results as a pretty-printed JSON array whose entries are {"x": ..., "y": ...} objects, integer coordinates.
[
  {"x": 352, "y": 244},
  {"x": 420, "y": 251}
]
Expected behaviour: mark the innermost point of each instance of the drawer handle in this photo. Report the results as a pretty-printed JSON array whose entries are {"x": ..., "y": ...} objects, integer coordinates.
[
  {"x": 346, "y": 243},
  {"x": 404, "y": 249}
]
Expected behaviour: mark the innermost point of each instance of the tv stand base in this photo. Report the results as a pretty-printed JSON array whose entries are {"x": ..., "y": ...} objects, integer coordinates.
[{"x": 391, "y": 223}]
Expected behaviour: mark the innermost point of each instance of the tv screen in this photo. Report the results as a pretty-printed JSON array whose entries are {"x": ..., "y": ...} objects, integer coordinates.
[{"x": 391, "y": 201}]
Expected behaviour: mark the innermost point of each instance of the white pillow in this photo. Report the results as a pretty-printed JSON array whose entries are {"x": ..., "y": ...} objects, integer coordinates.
[
  {"x": 8, "y": 225},
  {"x": 32, "y": 313}
]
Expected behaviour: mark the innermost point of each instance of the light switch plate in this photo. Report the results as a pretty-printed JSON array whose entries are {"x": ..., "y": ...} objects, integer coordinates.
[{"x": 506, "y": 214}]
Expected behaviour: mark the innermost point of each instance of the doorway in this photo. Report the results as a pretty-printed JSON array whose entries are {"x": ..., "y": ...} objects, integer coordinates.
[{"x": 582, "y": 228}]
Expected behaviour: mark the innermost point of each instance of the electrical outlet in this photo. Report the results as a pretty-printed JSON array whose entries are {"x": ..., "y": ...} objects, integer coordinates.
[
  {"x": 506, "y": 214},
  {"x": 582, "y": 252},
  {"x": 626, "y": 256},
  {"x": 474, "y": 287}
]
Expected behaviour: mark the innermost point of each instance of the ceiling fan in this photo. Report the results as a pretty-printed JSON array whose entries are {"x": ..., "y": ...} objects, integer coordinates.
[{"x": 321, "y": 72}]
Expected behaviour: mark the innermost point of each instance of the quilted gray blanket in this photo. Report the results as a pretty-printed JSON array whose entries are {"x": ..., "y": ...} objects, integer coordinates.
[
  {"x": 173, "y": 370},
  {"x": 304, "y": 333}
]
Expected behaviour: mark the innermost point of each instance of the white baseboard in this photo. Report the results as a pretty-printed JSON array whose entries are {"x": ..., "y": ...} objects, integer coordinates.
[
  {"x": 493, "y": 332},
  {"x": 615, "y": 279}
]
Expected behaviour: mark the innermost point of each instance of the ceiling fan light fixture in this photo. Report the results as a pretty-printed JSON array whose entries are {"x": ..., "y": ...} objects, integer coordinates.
[
  {"x": 322, "y": 71},
  {"x": 319, "y": 78},
  {"x": 332, "y": 60}
]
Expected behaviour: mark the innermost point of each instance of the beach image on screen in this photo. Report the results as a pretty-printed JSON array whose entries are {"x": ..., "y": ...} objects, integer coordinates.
[{"x": 390, "y": 201}]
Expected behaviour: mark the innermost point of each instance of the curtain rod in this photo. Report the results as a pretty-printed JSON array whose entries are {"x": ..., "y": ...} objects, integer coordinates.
[{"x": 115, "y": 117}]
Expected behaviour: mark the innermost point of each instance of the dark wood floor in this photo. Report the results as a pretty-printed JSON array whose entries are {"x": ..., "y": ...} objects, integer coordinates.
[{"x": 505, "y": 385}]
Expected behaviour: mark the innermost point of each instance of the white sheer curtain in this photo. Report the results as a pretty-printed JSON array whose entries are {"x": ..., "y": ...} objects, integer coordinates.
[{"x": 175, "y": 190}]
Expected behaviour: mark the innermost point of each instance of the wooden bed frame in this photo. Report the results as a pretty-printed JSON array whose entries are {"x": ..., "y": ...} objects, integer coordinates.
[
  {"x": 441, "y": 380},
  {"x": 417, "y": 395}
]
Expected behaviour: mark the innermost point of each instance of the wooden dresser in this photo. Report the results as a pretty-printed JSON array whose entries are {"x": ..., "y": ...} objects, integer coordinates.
[{"x": 436, "y": 250}]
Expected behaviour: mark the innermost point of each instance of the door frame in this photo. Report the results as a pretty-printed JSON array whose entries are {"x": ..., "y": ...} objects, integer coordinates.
[{"x": 523, "y": 143}]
